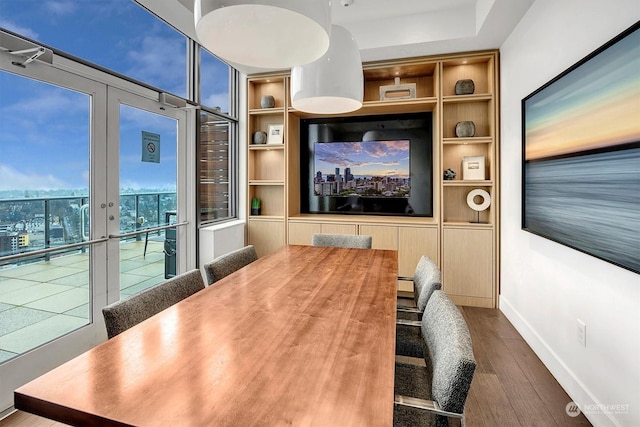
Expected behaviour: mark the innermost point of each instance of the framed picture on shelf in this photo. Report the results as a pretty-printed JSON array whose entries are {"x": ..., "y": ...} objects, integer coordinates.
[
  {"x": 275, "y": 134},
  {"x": 473, "y": 168}
]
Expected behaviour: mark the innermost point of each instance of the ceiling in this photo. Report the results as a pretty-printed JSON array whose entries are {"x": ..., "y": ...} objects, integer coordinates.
[{"x": 387, "y": 29}]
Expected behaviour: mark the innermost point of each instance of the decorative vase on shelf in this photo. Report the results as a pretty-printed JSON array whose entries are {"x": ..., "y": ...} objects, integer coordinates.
[
  {"x": 465, "y": 129},
  {"x": 449, "y": 175},
  {"x": 267, "y": 101},
  {"x": 255, "y": 206},
  {"x": 259, "y": 137},
  {"x": 465, "y": 87}
]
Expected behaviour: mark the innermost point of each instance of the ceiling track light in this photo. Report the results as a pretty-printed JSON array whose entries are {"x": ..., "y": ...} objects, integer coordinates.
[{"x": 264, "y": 33}]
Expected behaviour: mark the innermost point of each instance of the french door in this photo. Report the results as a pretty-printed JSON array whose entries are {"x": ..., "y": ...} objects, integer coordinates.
[
  {"x": 148, "y": 193},
  {"x": 96, "y": 203}
]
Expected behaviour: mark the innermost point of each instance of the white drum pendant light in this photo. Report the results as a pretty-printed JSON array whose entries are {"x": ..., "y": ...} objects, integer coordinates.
[
  {"x": 334, "y": 83},
  {"x": 265, "y": 34}
]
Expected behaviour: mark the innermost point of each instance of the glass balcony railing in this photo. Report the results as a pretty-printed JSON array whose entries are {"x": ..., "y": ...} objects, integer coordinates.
[
  {"x": 31, "y": 224},
  {"x": 46, "y": 295}
]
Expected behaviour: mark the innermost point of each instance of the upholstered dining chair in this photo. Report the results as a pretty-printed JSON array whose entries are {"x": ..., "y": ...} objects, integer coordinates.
[
  {"x": 427, "y": 395},
  {"x": 228, "y": 263},
  {"x": 426, "y": 279},
  {"x": 128, "y": 312},
  {"x": 342, "y": 240}
]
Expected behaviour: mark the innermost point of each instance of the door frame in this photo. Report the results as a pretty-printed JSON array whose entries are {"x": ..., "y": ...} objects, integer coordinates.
[
  {"x": 35, "y": 362},
  {"x": 103, "y": 291},
  {"x": 185, "y": 177}
]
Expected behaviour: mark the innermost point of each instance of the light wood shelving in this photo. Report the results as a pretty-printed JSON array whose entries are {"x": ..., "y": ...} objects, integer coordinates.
[{"x": 463, "y": 242}]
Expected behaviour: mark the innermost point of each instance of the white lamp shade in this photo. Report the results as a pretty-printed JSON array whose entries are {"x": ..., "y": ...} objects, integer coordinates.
[
  {"x": 334, "y": 83},
  {"x": 265, "y": 34}
]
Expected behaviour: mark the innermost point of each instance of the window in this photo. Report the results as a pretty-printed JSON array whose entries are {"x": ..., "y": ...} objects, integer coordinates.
[
  {"x": 124, "y": 37},
  {"x": 216, "y": 168},
  {"x": 116, "y": 34},
  {"x": 215, "y": 80}
]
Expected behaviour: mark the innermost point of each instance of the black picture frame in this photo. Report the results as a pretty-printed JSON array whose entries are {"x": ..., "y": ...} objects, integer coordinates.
[{"x": 581, "y": 154}]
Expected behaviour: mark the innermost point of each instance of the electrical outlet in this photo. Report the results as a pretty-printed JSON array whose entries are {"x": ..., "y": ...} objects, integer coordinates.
[{"x": 582, "y": 333}]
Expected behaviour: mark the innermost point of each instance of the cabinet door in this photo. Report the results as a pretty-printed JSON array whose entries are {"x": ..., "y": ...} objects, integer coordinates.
[
  {"x": 467, "y": 266},
  {"x": 339, "y": 229},
  {"x": 413, "y": 242},
  {"x": 382, "y": 236},
  {"x": 265, "y": 235},
  {"x": 301, "y": 233}
]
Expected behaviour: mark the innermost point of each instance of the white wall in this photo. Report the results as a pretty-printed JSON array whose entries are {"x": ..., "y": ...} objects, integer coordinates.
[{"x": 546, "y": 287}]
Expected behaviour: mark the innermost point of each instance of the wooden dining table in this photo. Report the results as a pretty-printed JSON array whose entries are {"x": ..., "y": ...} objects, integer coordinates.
[{"x": 304, "y": 336}]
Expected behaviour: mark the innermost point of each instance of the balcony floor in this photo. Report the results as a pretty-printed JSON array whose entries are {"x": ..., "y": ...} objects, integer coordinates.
[{"x": 46, "y": 299}]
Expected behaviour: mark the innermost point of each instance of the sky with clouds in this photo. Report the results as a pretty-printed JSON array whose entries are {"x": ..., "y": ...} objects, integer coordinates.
[
  {"x": 370, "y": 158},
  {"x": 44, "y": 130}
]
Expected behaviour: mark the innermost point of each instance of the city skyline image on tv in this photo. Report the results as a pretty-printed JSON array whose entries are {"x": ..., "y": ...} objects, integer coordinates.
[{"x": 364, "y": 168}]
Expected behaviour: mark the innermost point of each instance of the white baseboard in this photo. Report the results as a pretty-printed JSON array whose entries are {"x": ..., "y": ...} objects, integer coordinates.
[{"x": 563, "y": 374}]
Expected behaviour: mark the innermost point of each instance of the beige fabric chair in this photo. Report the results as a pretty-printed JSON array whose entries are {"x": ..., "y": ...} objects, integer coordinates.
[
  {"x": 228, "y": 263},
  {"x": 342, "y": 241},
  {"x": 126, "y": 313}
]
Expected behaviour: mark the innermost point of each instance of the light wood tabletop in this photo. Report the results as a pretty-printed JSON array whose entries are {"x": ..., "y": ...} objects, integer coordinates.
[{"x": 303, "y": 337}]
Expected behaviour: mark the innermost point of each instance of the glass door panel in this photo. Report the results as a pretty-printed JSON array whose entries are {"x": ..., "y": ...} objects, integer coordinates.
[
  {"x": 44, "y": 184},
  {"x": 51, "y": 288},
  {"x": 148, "y": 168}
]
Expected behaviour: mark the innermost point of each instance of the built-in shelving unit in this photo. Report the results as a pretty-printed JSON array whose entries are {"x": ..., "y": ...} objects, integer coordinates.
[
  {"x": 266, "y": 163},
  {"x": 463, "y": 241}
]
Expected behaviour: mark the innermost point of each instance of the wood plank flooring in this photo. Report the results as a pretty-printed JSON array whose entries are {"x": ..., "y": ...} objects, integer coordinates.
[{"x": 511, "y": 386}]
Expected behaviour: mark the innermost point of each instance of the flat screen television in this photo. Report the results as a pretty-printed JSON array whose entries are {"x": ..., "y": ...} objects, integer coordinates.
[{"x": 380, "y": 165}]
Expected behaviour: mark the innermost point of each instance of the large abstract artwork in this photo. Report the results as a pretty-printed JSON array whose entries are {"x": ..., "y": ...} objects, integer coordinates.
[{"x": 581, "y": 155}]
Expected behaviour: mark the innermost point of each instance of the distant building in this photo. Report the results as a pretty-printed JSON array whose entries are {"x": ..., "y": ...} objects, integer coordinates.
[
  {"x": 8, "y": 243},
  {"x": 347, "y": 175},
  {"x": 11, "y": 241},
  {"x": 23, "y": 239}
]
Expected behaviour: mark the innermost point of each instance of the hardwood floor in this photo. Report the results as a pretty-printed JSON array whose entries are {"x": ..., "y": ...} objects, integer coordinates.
[
  {"x": 511, "y": 386},
  {"x": 23, "y": 419}
]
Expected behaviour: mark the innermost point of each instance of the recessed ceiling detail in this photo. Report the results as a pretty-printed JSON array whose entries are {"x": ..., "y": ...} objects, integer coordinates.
[{"x": 398, "y": 29}]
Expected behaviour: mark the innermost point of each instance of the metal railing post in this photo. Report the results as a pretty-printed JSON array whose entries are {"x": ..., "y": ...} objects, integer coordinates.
[
  {"x": 138, "y": 225},
  {"x": 47, "y": 234},
  {"x": 158, "y": 211}
]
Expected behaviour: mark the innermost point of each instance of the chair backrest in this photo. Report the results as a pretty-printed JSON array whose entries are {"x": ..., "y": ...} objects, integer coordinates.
[
  {"x": 126, "y": 313},
  {"x": 342, "y": 240},
  {"x": 448, "y": 351},
  {"x": 426, "y": 279},
  {"x": 228, "y": 263}
]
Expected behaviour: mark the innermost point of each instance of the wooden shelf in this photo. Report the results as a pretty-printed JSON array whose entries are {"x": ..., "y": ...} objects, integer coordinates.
[
  {"x": 401, "y": 106},
  {"x": 266, "y": 111},
  {"x": 259, "y": 147},
  {"x": 454, "y": 99},
  {"x": 467, "y": 183},
  {"x": 266, "y": 218},
  {"x": 266, "y": 182},
  {"x": 464, "y": 141},
  {"x": 460, "y": 224}
]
